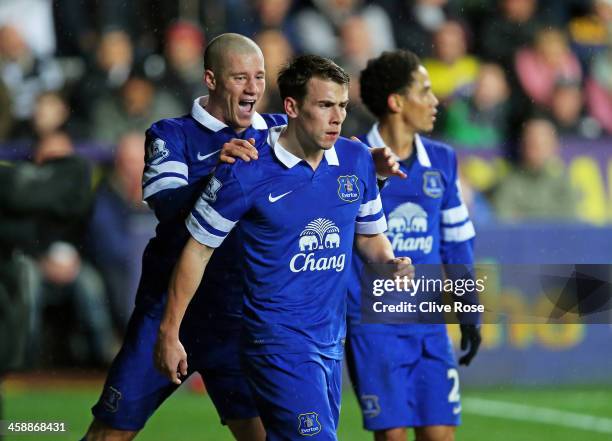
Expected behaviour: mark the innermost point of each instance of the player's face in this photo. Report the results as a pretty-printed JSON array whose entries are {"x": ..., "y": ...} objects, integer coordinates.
[
  {"x": 420, "y": 109},
  {"x": 239, "y": 87},
  {"x": 322, "y": 112}
]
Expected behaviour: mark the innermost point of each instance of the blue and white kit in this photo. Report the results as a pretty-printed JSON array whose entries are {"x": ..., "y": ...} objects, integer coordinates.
[
  {"x": 406, "y": 375},
  {"x": 297, "y": 227},
  {"x": 180, "y": 154}
]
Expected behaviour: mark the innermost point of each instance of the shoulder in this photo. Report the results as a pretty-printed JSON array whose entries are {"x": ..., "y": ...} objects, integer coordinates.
[
  {"x": 274, "y": 119},
  {"x": 248, "y": 174},
  {"x": 440, "y": 154},
  {"x": 346, "y": 148},
  {"x": 364, "y": 139},
  {"x": 169, "y": 127}
]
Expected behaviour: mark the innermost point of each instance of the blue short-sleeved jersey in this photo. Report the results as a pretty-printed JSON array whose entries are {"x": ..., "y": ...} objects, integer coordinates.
[
  {"x": 297, "y": 228},
  {"x": 426, "y": 216},
  {"x": 181, "y": 152}
]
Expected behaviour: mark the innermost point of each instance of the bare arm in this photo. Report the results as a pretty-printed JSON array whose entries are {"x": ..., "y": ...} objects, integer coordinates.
[
  {"x": 376, "y": 248},
  {"x": 170, "y": 356}
]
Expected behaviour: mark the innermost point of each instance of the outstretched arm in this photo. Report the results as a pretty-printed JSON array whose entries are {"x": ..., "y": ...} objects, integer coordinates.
[{"x": 170, "y": 356}]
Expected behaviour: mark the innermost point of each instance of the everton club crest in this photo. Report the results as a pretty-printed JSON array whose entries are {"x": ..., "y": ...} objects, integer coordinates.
[
  {"x": 432, "y": 184},
  {"x": 309, "y": 424},
  {"x": 348, "y": 188}
]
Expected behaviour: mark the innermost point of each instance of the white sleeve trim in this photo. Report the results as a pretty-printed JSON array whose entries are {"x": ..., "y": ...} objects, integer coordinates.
[
  {"x": 459, "y": 234},
  {"x": 201, "y": 235},
  {"x": 374, "y": 227},
  {"x": 455, "y": 215},
  {"x": 165, "y": 167},
  {"x": 163, "y": 184},
  {"x": 370, "y": 208},
  {"x": 212, "y": 216}
]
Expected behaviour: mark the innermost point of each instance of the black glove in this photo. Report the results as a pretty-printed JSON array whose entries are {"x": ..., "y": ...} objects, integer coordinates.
[{"x": 470, "y": 341}]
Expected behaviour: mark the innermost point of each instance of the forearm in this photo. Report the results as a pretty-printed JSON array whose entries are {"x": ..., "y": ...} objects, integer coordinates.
[
  {"x": 176, "y": 202},
  {"x": 184, "y": 282},
  {"x": 374, "y": 248}
]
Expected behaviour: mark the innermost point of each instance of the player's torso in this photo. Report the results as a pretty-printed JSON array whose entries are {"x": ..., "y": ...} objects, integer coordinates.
[
  {"x": 200, "y": 150},
  {"x": 298, "y": 238},
  {"x": 309, "y": 218},
  {"x": 412, "y": 207}
]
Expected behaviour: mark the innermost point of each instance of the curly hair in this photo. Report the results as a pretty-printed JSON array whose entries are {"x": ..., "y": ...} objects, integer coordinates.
[{"x": 389, "y": 73}]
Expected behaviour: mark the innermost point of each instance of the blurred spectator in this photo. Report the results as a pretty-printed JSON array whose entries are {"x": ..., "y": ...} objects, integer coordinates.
[
  {"x": 480, "y": 119},
  {"x": 6, "y": 117},
  {"x": 25, "y": 74},
  {"x": 511, "y": 28},
  {"x": 34, "y": 20},
  {"x": 549, "y": 60},
  {"x": 318, "y": 26},
  {"x": 451, "y": 69},
  {"x": 356, "y": 50},
  {"x": 478, "y": 206},
  {"x": 256, "y": 16},
  {"x": 566, "y": 113},
  {"x": 588, "y": 32},
  {"x": 51, "y": 114},
  {"x": 277, "y": 52},
  {"x": 538, "y": 187},
  {"x": 74, "y": 28},
  {"x": 137, "y": 105},
  {"x": 415, "y": 22},
  {"x": 106, "y": 73},
  {"x": 112, "y": 237},
  {"x": 599, "y": 88},
  {"x": 44, "y": 209},
  {"x": 184, "y": 63}
]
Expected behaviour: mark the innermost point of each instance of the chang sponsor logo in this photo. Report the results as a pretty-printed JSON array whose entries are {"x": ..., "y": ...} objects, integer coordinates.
[
  {"x": 408, "y": 227},
  {"x": 320, "y": 234}
]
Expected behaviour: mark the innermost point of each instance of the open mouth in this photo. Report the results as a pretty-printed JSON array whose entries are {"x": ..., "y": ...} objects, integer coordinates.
[{"x": 246, "y": 105}]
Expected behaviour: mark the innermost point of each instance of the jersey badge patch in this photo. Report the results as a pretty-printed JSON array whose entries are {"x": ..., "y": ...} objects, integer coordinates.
[
  {"x": 157, "y": 151},
  {"x": 432, "y": 184},
  {"x": 309, "y": 424},
  {"x": 211, "y": 190},
  {"x": 348, "y": 188},
  {"x": 370, "y": 406}
]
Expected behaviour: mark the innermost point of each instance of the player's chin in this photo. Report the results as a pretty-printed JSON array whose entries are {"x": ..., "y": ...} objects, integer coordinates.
[
  {"x": 328, "y": 140},
  {"x": 242, "y": 122}
]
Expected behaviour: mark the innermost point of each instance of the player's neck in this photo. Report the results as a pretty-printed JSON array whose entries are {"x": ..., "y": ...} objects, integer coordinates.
[
  {"x": 397, "y": 137},
  {"x": 301, "y": 146},
  {"x": 216, "y": 111}
]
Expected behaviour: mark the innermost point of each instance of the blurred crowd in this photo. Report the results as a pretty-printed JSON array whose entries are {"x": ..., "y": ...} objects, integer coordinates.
[{"x": 516, "y": 77}]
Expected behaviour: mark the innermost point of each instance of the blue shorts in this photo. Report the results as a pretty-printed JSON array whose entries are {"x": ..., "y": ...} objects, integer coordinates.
[
  {"x": 134, "y": 389},
  {"x": 404, "y": 380},
  {"x": 298, "y": 395}
]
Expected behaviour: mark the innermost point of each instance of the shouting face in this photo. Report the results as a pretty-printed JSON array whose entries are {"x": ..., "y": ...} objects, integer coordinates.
[{"x": 236, "y": 88}]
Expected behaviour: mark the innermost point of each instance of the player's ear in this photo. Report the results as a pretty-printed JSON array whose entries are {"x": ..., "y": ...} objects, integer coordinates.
[
  {"x": 291, "y": 107},
  {"x": 394, "y": 103},
  {"x": 209, "y": 79}
]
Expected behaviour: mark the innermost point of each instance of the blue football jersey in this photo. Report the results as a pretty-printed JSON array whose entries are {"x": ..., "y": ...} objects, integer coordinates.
[
  {"x": 427, "y": 218},
  {"x": 297, "y": 227},
  {"x": 180, "y": 153}
]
